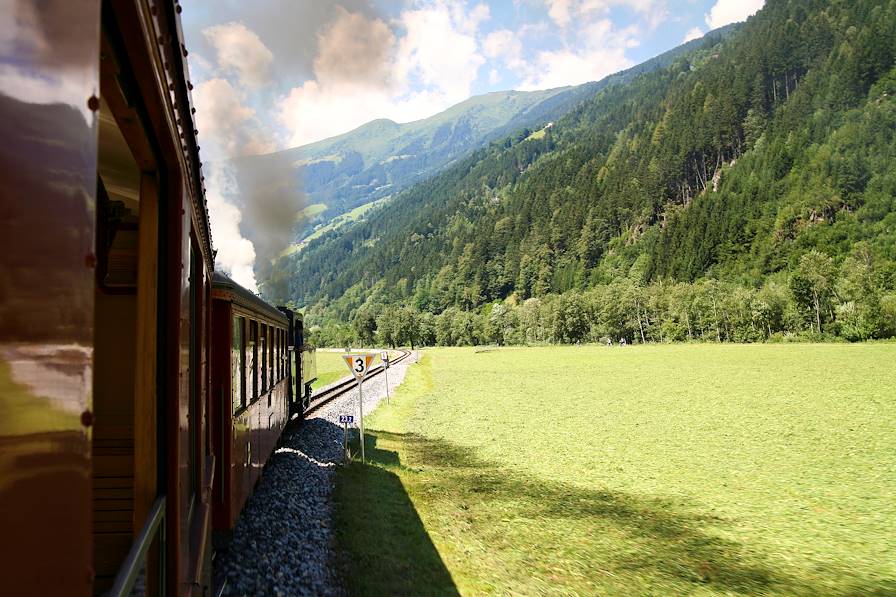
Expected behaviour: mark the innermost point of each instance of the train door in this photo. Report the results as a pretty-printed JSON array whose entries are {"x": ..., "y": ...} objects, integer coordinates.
[{"x": 126, "y": 400}]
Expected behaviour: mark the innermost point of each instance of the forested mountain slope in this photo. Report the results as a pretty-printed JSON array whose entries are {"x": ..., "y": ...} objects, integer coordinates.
[
  {"x": 383, "y": 157},
  {"x": 744, "y": 191}
]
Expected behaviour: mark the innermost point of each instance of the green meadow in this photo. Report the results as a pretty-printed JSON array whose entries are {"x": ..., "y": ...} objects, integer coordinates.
[
  {"x": 330, "y": 367},
  {"x": 677, "y": 469}
]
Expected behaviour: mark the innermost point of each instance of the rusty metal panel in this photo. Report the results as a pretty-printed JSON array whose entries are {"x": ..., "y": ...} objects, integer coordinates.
[{"x": 48, "y": 75}]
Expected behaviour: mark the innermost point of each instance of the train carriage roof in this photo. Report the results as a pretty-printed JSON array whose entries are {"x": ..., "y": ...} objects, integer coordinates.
[{"x": 225, "y": 288}]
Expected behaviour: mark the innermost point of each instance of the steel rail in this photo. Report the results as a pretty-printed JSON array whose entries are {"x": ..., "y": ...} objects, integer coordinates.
[{"x": 345, "y": 385}]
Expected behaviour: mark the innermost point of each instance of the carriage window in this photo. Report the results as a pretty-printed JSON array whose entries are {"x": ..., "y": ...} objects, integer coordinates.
[
  {"x": 251, "y": 355},
  {"x": 193, "y": 399},
  {"x": 238, "y": 364},
  {"x": 279, "y": 354},
  {"x": 275, "y": 346},
  {"x": 271, "y": 356},
  {"x": 263, "y": 355}
]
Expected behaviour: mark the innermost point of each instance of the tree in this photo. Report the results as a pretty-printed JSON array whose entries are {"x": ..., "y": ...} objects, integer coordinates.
[
  {"x": 571, "y": 321},
  {"x": 812, "y": 283},
  {"x": 387, "y": 327},
  {"x": 364, "y": 325}
]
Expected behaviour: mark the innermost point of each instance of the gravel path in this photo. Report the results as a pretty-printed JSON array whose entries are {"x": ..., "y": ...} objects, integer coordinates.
[{"x": 284, "y": 543}]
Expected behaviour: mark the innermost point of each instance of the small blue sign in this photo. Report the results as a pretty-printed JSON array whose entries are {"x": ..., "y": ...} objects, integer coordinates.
[{"x": 347, "y": 419}]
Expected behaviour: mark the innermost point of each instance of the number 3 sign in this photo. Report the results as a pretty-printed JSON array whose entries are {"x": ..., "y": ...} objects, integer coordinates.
[{"x": 359, "y": 364}]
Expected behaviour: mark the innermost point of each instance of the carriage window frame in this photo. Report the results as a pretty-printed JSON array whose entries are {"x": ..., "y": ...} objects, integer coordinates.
[
  {"x": 238, "y": 394},
  {"x": 251, "y": 368},
  {"x": 270, "y": 372},
  {"x": 263, "y": 365}
]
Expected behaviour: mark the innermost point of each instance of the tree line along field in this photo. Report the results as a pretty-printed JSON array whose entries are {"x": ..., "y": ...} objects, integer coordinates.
[
  {"x": 686, "y": 469},
  {"x": 744, "y": 191},
  {"x": 819, "y": 301}
]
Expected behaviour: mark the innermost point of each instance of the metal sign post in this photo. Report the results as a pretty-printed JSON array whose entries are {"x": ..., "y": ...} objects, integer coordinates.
[
  {"x": 345, "y": 420},
  {"x": 359, "y": 364},
  {"x": 361, "y": 412},
  {"x": 385, "y": 358}
]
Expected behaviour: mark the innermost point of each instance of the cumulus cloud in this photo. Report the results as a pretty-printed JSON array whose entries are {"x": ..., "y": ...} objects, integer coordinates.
[
  {"x": 601, "y": 52},
  {"x": 504, "y": 44},
  {"x": 432, "y": 66},
  {"x": 239, "y": 50},
  {"x": 233, "y": 126},
  {"x": 566, "y": 12},
  {"x": 356, "y": 51},
  {"x": 725, "y": 12},
  {"x": 695, "y": 33}
]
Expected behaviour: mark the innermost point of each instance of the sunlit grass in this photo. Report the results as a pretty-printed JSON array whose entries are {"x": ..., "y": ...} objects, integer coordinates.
[
  {"x": 706, "y": 469},
  {"x": 330, "y": 367}
]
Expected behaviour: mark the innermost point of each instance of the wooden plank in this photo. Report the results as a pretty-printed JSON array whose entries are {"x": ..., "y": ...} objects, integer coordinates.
[
  {"x": 103, "y": 483},
  {"x": 103, "y": 432},
  {"x": 145, "y": 399},
  {"x": 109, "y": 465},
  {"x": 114, "y": 493},
  {"x": 107, "y": 504}
]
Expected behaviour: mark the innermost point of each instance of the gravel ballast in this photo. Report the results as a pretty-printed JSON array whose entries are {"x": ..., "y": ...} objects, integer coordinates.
[{"x": 283, "y": 542}]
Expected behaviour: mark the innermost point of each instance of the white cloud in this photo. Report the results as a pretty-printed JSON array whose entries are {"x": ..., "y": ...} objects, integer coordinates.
[
  {"x": 241, "y": 51},
  {"x": 440, "y": 50},
  {"x": 231, "y": 127},
  {"x": 567, "y": 12},
  {"x": 432, "y": 66},
  {"x": 695, "y": 33},
  {"x": 559, "y": 11},
  {"x": 355, "y": 51},
  {"x": 724, "y": 12},
  {"x": 504, "y": 45},
  {"x": 601, "y": 52}
]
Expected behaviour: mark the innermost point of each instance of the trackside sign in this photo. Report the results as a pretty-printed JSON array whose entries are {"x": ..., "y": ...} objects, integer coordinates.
[{"x": 359, "y": 364}]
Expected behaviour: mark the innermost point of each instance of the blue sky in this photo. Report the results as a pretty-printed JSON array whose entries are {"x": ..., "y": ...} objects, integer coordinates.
[{"x": 286, "y": 73}]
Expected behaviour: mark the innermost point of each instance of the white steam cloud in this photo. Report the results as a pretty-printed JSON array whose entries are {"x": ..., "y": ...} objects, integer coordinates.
[
  {"x": 236, "y": 255},
  {"x": 247, "y": 220}
]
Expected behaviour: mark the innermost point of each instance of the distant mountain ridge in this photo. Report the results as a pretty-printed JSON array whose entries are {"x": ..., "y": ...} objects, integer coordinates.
[{"x": 382, "y": 157}]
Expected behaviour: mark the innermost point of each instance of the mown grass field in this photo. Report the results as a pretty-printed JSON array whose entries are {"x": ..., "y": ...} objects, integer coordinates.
[
  {"x": 688, "y": 469},
  {"x": 331, "y": 367}
]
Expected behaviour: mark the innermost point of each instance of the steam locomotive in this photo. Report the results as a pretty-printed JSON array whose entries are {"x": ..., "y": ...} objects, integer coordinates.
[{"x": 141, "y": 392}]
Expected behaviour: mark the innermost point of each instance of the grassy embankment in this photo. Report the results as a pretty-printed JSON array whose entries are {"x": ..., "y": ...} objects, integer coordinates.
[{"x": 701, "y": 469}]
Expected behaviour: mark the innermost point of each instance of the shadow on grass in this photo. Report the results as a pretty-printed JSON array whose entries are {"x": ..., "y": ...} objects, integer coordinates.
[
  {"x": 675, "y": 547},
  {"x": 390, "y": 551}
]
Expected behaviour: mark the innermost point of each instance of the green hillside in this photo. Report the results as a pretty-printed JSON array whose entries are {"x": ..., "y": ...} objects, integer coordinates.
[
  {"x": 743, "y": 192},
  {"x": 381, "y": 158}
]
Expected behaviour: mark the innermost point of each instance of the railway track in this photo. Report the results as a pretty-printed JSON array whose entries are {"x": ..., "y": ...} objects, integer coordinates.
[{"x": 345, "y": 385}]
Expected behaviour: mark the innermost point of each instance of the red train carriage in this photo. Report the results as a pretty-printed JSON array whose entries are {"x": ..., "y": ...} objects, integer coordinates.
[
  {"x": 251, "y": 385},
  {"x": 106, "y": 462},
  {"x": 261, "y": 379}
]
